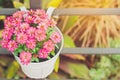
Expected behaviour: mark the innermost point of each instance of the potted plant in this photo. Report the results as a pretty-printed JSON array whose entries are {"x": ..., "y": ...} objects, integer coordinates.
[{"x": 34, "y": 40}]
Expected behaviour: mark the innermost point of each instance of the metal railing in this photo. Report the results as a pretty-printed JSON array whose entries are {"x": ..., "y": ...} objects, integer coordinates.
[{"x": 72, "y": 11}]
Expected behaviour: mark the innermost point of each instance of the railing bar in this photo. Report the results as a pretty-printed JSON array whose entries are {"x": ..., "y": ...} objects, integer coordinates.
[
  {"x": 91, "y": 50},
  {"x": 72, "y": 11},
  {"x": 87, "y": 11},
  {"x": 81, "y": 51},
  {"x": 7, "y": 11}
]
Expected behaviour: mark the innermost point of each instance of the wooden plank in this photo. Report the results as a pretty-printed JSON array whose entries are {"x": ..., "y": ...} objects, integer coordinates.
[
  {"x": 80, "y": 51},
  {"x": 72, "y": 11},
  {"x": 34, "y": 4}
]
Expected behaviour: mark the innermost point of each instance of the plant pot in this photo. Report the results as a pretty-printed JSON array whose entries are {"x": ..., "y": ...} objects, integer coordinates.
[{"x": 42, "y": 69}]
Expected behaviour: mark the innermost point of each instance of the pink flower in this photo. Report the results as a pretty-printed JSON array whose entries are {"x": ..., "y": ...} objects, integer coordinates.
[
  {"x": 12, "y": 45},
  {"x": 56, "y": 38},
  {"x": 42, "y": 26},
  {"x": 31, "y": 12},
  {"x": 40, "y": 12},
  {"x": 9, "y": 25},
  {"x": 18, "y": 14},
  {"x": 16, "y": 22},
  {"x": 24, "y": 27},
  {"x": 52, "y": 23},
  {"x": 43, "y": 53},
  {"x": 17, "y": 30},
  {"x": 6, "y": 34},
  {"x": 37, "y": 20},
  {"x": 40, "y": 35},
  {"x": 25, "y": 57},
  {"x": 22, "y": 38},
  {"x": 29, "y": 19},
  {"x": 4, "y": 43},
  {"x": 49, "y": 45},
  {"x": 31, "y": 44},
  {"x": 31, "y": 32}
]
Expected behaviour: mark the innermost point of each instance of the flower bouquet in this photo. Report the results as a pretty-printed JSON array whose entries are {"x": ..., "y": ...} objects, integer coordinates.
[{"x": 34, "y": 40}]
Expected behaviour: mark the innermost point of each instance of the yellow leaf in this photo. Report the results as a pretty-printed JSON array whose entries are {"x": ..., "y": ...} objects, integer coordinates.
[
  {"x": 54, "y": 3},
  {"x": 1, "y": 33},
  {"x": 2, "y": 17},
  {"x": 56, "y": 67},
  {"x": 17, "y": 4}
]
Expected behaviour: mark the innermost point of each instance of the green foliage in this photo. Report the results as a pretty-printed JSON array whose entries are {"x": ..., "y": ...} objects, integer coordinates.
[
  {"x": 108, "y": 65},
  {"x": 11, "y": 71},
  {"x": 71, "y": 21},
  {"x": 68, "y": 41},
  {"x": 35, "y": 59},
  {"x": 26, "y": 3},
  {"x": 97, "y": 74},
  {"x": 115, "y": 43},
  {"x": 78, "y": 70}
]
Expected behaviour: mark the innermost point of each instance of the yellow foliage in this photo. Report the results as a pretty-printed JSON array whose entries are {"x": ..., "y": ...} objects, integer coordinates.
[{"x": 54, "y": 3}]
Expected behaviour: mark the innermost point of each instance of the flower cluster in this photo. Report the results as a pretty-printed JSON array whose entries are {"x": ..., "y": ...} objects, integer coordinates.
[{"x": 30, "y": 35}]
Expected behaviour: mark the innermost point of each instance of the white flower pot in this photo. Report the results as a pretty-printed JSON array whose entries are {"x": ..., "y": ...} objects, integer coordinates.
[{"x": 41, "y": 69}]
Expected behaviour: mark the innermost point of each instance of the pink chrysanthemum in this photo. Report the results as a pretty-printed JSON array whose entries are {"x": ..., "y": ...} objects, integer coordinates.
[
  {"x": 17, "y": 30},
  {"x": 49, "y": 45},
  {"x": 6, "y": 34},
  {"x": 25, "y": 57},
  {"x": 40, "y": 12},
  {"x": 8, "y": 22},
  {"x": 31, "y": 44},
  {"x": 40, "y": 35},
  {"x": 43, "y": 53},
  {"x": 18, "y": 14},
  {"x": 12, "y": 45},
  {"x": 42, "y": 26},
  {"x": 4, "y": 43},
  {"x": 37, "y": 20},
  {"x": 31, "y": 32},
  {"x": 22, "y": 38},
  {"x": 52, "y": 23},
  {"x": 24, "y": 27},
  {"x": 29, "y": 19},
  {"x": 16, "y": 22},
  {"x": 56, "y": 38}
]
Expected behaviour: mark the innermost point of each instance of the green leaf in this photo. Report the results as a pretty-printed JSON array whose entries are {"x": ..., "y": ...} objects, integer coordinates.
[
  {"x": 48, "y": 57},
  {"x": 115, "y": 43},
  {"x": 35, "y": 59},
  {"x": 71, "y": 21},
  {"x": 26, "y": 3},
  {"x": 97, "y": 74},
  {"x": 53, "y": 53},
  {"x": 68, "y": 42},
  {"x": 57, "y": 76},
  {"x": 78, "y": 70},
  {"x": 56, "y": 67},
  {"x": 11, "y": 71},
  {"x": 17, "y": 4}
]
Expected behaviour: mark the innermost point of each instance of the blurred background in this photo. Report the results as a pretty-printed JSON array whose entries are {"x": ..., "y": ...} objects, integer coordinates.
[{"x": 79, "y": 31}]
